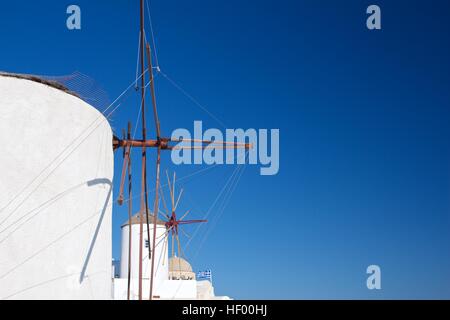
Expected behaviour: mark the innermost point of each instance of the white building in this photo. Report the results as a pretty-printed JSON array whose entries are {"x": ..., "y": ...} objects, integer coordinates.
[
  {"x": 56, "y": 204},
  {"x": 174, "y": 277},
  {"x": 55, "y": 193}
]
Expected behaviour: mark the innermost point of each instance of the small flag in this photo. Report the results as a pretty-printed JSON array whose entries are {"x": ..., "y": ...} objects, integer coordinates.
[{"x": 204, "y": 275}]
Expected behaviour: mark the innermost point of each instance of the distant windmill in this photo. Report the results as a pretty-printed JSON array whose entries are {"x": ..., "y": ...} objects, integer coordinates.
[{"x": 173, "y": 223}]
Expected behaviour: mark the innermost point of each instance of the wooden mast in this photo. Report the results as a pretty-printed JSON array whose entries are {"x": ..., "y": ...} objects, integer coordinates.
[
  {"x": 130, "y": 214},
  {"x": 158, "y": 165},
  {"x": 144, "y": 150}
]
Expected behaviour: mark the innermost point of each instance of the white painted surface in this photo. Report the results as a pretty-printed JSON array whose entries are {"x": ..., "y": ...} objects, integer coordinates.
[
  {"x": 180, "y": 289},
  {"x": 161, "y": 262},
  {"x": 55, "y": 195},
  {"x": 170, "y": 290},
  {"x": 205, "y": 290}
]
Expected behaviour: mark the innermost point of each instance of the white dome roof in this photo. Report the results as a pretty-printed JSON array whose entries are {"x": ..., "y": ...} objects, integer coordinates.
[
  {"x": 177, "y": 264},
  {"x": 136, "y": 219}
]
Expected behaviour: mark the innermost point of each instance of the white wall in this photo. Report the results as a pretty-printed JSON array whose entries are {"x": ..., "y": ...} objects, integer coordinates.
[
  {"x": 161, "y": 261},
  {"x": 170, "y": 289},
  {"x": 55, "y": 195},
  {"x": 180, "y": 289}
]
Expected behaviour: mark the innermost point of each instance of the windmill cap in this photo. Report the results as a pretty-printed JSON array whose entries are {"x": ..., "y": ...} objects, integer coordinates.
[{"x": 136, "y": 219}]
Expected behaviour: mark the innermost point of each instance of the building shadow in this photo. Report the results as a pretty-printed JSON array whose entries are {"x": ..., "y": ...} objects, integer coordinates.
[{"x": 99, "y": 224}]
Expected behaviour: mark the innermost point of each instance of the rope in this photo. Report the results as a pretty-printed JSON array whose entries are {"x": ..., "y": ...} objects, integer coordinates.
[
  {"x": 137, "y": 62},
  {"x": 63, "y": 151},
  {"x": 110, "y": 204},
  {"x": 214, "y": 203},
  {"x": 190, "y": 97},
  {"x": 59, "y": 196},
  {"x": 235, "y": 177},
  {"x": 222, "y": 209},
  {"x": 152, "y": 34},
  {"x": 49, "y": 281},
  {"x": 51, "y": 172},
  {"x": 42, "y": 206},
  {"x": 48, "y": 245}
]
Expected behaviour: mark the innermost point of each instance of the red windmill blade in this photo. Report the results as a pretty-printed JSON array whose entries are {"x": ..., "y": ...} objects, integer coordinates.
[{"x": 173, "y": 223}]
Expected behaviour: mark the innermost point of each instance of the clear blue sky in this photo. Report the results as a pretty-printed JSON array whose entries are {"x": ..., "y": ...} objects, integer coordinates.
[{"x": 364, "y": 121}]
